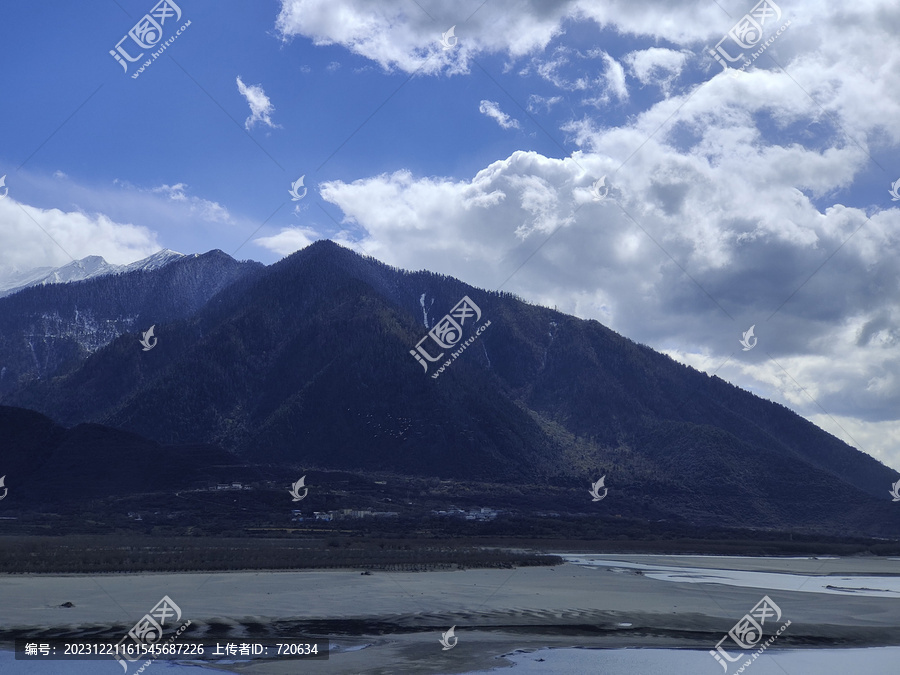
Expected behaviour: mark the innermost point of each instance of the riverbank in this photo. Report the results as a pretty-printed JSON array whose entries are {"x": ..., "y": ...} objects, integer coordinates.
[{"x": 399, "y": 617}]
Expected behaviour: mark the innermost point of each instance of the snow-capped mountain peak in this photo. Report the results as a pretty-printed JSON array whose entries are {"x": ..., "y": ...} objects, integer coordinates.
[
  {"x": 78, "y": 270},
  {"x": 155, "y": 261}
]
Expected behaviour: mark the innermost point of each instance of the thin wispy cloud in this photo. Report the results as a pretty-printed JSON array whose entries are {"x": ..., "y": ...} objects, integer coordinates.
[
  {"x": 492, "y": 110},
  {"x": 545, "y": 104},
  {"x": 261, "y": 107},
  {"x": 209, "y": 211}
]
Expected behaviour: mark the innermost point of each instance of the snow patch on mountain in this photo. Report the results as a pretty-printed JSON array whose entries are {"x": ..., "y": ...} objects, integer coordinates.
[
  {"x": 425, "y": 309},
  {"x": 91, "y": 333}
]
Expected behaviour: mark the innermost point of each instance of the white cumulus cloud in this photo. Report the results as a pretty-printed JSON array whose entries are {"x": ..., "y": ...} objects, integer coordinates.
[
  {"x": 33, "y": 237},
  {"x": 656, "y": 65},
  {"x": 288, "y": 240},
  {"x": 735, "y": 199}
]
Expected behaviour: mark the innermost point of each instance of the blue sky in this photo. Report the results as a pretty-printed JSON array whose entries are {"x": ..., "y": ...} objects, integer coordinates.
[
  {"x": 757, "y": 198},
  {"x": 338, "y": 115}
]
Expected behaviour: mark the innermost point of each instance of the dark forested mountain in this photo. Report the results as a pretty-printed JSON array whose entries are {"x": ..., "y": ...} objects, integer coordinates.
[
  {"x": 308, "y": 362},
  {"x": 46, "y": 464},
  {"x": 50, "y": 330}
]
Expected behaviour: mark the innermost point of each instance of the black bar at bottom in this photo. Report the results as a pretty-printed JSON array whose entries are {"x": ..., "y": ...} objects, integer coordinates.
[{"x": 189, "y": 649}]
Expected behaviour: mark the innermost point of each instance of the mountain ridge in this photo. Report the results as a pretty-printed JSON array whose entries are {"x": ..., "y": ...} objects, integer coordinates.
[
  {"x": 51, "y": 329},
  {"x": 307, "y": 362},
  {"x": 89, "y": 267}
]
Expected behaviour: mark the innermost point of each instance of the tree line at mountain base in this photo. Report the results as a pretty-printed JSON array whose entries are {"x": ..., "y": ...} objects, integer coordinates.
[{"x": 93, "y": 554}]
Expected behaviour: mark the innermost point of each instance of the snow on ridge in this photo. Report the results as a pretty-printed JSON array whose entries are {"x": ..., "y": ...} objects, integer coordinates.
[
  {"x": 155, "y": 261},
  {"x": 88, "y": 267}
]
